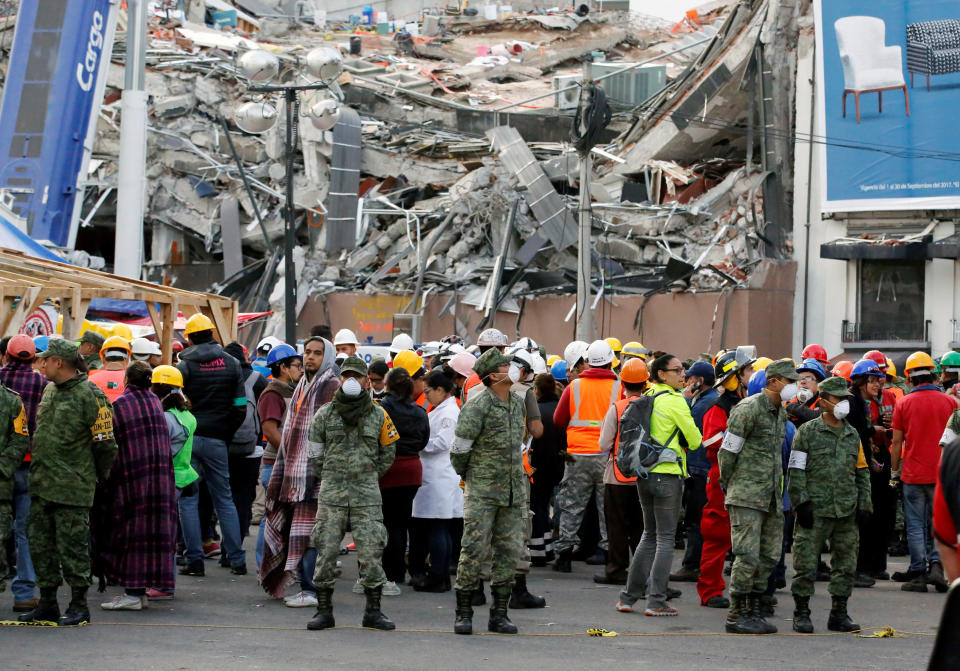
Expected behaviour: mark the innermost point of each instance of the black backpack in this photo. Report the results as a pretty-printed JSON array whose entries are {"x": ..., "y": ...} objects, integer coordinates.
[{"x": 638, "y": 450}]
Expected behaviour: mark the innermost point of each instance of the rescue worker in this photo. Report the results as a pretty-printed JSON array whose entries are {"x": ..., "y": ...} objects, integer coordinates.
[
  {"x": 817, "y": 353},
  {"x": 412, "y": 363},
  {"x": 115, "y": 353},
  {"x": 346, "y": 342},
  {"x": 617, "y": 347},
  {"x": 580, "y": 412},
  {"x": 486, "y": 453},
  {"x": 264, "y": 347},
  {"x": 950, "y": 367},
  {"x": 351, "y": 446},
  {"x": 14, "y": 443},
  {"x": 575, "y": 357},
  {"x": 843, "y": 369},
  {"x": 751, "y": 473},
  {"x": 402, "y": 342},
  {"x": 896, "y": 385},
  {"x": 90, "y": 344},
  {"x": 142, "y": 349},
  {"x": 489, "y": 339},
  {"x": 829, "y": 486},
  {"x": 632, "y": 350},
  {"x": 806, "y": 405},
  {"x": 715, "y": 523},
  {"x": 72, "y": 449}
]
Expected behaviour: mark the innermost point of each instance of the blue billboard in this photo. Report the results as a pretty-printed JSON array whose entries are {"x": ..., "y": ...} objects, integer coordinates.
[
  {"x": 51, "y": 97},
  {"x": 888, "y": 75}
]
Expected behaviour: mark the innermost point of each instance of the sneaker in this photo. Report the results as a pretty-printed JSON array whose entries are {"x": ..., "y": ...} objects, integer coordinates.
[
  {"x": 624, "y": 607},
  {"x": 123, "y": 602},
  {"x": 159, "y": 595},
  {"x": 390, "y": 589},
  {"x": 211, "y": 549},
  {"x": 661, "y": 611},
  {"x": 301, "y": 600}
]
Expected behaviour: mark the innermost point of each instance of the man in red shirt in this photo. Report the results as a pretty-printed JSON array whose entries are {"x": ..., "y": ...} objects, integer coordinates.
[
  {"x": 918, "y": 421},
  {"x": 946, "y": 509}
]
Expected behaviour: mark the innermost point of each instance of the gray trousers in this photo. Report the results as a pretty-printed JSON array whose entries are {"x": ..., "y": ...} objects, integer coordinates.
[{"x": 660, "y": 498}]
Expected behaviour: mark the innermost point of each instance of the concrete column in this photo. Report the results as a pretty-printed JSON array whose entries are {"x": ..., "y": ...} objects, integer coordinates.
[{"x": 940, "y": 295}]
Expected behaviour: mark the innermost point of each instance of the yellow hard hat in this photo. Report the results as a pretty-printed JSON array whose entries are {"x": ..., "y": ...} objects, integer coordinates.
[
  {"x": 891, "y": 368},
  {"x": 615, "y": 344},
  {"x": 633, "y": 348},
  {"x": 552, "y": 359},
  {"x": 919, "y": 360},
  {"x": 410, "y": 361},
  {"x": 762, "y": 362},
  {"x": 167, "y": 375},
  {"x": 115, "y": 342},
  {"x": 198, "y": 322}
]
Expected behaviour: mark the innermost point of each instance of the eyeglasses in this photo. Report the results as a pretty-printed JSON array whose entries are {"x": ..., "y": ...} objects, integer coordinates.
[
  {"x": 678, "y": 371},
  {"x": 296, "y": 364},
  {"x": 807, "y": 378}
]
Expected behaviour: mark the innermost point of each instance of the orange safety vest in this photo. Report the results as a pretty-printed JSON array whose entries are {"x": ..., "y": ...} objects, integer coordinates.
[
  {"x": 590, "y": 399},
  {"x": 423, "y": 403},
  {"x": 621, "y": 405},
  {"x": 109, "y": 381}
]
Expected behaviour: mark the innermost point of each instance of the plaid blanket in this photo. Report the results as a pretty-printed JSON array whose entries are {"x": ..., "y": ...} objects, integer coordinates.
[
  {"x": 21, "y": 378},
  {"x": 133, "y": 524},
  {"x": 291, "y": 497}
]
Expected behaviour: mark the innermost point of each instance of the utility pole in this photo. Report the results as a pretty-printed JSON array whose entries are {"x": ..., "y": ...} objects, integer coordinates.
[
  {"x": 584, "y": 216},
  {"x": 131, "y": 178}
]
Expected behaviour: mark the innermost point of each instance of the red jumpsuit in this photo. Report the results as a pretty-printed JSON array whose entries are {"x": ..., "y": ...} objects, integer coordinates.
[{"x": 715, "y": 522}]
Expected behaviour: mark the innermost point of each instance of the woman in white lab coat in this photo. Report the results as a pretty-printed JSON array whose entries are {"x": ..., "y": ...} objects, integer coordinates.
[{"x": 439, "y": 495}]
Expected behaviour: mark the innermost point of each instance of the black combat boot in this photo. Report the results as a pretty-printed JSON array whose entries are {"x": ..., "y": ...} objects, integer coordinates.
[
  {"x": 563, "y": 562},
  {"x": 757, "y": 614},
  {"x": 464, "y": 622},
  {"x": 767, "y": 605},
  {"x": 839, "y": 620},
  {"x": 738, "y": 617},
  {"x": 324, "y": 617},
  {"x": 77, "y": 612},
  {"x": 801, "y": 615},
  {"x": 46, "y": 611},
  {"x": 499, "y": 622},
  {"x": 521, "y": 597},
  {"x": 372, "y": 615},
  {"x": 477, "y": 598}
]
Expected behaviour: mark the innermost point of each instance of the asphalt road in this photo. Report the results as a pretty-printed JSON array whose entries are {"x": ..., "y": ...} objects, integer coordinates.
[{"x": 226, "y": 622}]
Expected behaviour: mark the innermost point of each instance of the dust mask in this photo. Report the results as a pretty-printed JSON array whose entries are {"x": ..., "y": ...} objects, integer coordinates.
[
  {"x": 514, "y": 373},
  {"x": 804, "y": 395},
  {"x": 789, "y": 392},
  {"x": 841, "y": 409},
  {"x": 352, "y": 387}
]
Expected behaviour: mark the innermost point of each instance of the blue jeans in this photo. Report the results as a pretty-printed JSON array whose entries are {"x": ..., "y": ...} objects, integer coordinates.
[
  {"x": 190, "y": 525},
  {"x": 265, "y": 472},
  {"x": 210, "y": 454},
  {"x": 308, "y": 566},
  {"x": 918, "y": 516},
  {"x": 23, "y": 585}
]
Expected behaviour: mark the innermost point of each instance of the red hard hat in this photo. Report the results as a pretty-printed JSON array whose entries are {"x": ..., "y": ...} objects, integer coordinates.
[
  {"x": 814, "y": 352},
  {"x": 21, "y": 347},
  {"x": 877, "y": 356},
  {"x": 177, "y": 346}
]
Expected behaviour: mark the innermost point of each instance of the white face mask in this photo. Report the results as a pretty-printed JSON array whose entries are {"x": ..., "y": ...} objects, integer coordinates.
[
  {"x": 789, "y": 392},
  {"x": 352, "y": 387},
  {"x": 841, "y": 409},
  {"x": 514, "y": 373},
  {"x": 804, "y": 395}
]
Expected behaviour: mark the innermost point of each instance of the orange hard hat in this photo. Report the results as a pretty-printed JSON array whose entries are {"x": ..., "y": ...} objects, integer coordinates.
[
  {"x": 843, "y": 369},
  {"x": 634, "y": 371}
]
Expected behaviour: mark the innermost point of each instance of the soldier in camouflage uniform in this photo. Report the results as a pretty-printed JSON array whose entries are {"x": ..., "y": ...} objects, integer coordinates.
[
  {"x": 73, "y": 447},
  {"x": 486, "y": 453},
  {"x": 829, "y": 486},
  {"x": 90, "y": 344},
  {"x": 14, "y": 443},
  {"x": 751, "y": 472},
  {"x": 952, "y": 430},
  {"x": 350, "y": 448}
]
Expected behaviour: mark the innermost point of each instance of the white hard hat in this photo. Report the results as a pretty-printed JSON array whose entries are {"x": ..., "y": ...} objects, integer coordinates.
[
  {"x": 144, "y": 347},
  {"x": 492, "y": 338},
  {"x": 463, "y": 363},
  {"x": 574, "y": 352},
  {"x": 521, "y": 356},
  {"x": 599, "y": 353},
  {"x": 268, "y": 343},
  {"x": 345, "y": 337},
  {"x": 401, "y": 341},
  {"x": 539, "y": 365},
  {"x": 450, "y": 350},
  {"x": 527, "y": 344},
  {"x": 430, "y": 348}
]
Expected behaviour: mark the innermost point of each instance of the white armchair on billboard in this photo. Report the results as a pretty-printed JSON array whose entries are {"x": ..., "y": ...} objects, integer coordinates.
[{"x": 869, "y": 66}]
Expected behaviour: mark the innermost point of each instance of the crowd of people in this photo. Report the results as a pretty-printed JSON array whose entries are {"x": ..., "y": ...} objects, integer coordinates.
[{"x": 454, "y": 464}]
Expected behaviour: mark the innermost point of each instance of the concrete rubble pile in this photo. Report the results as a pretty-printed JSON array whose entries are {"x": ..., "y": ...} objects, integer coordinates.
[{"x": 440, "y": 210}]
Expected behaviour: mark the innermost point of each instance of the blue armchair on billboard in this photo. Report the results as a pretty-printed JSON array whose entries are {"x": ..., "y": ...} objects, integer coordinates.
[
  {"x": 869, "y": 66},
  {"x": 933, "y": 48}
]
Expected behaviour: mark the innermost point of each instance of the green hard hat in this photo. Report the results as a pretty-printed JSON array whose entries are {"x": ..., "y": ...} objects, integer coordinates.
[{"x": 949, "y": 361}]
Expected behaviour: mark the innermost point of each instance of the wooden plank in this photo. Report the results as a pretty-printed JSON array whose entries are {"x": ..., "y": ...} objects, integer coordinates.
[
  {"x": 29, "y": 302},
  {"x": 216, "y": 313},
  {"x": 168, "y": 315},
  {"x": 155, "y": 319}
]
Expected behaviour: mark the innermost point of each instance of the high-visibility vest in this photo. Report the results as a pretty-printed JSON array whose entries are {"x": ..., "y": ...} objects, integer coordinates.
[
  {"x": 621, "y": 405},
  {"x": 590, "y": 398},
  {"x": 109, "y": 381},
  {"x": 423, "y": 403}
]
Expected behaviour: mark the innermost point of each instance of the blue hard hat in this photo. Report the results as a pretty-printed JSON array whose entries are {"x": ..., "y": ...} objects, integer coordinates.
[
  {"x": 279, "y": 353},
  {"x": 559, "y": 371},
  {"x": 757, "y": 382},
  {"x": 41, "y": 342},
  {"x": 812, "y": 366},
  {"x": 867, "y": 367}
]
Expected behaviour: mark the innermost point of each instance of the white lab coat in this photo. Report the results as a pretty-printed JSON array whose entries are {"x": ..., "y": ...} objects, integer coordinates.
[{"x": 439, "y": 496}]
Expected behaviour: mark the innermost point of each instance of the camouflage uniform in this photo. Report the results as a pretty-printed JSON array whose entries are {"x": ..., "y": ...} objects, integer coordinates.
[
  {"x": 751, "y": 471},
  {"x": 952, "y": 430},
  {"x": 828, "y": 469},
  {"x": 349, "y": 461},
  {"x": 93, "y": 361},
  {"x": 73, "y": 447},
  {"x": 486, "y": 453},
  {"x": 14, "y": 443}
]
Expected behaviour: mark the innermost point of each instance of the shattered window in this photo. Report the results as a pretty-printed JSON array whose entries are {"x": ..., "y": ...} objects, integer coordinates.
[{"x": 891, "y": 300}]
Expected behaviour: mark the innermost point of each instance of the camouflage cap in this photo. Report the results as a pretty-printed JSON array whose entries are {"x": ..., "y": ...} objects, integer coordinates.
[
  {"x": 353, "y": 364},
  {"x": 784, "y": 368},
  {"x": 59, "y": 347},
  {"x": 834, "y": 386},
  {"x": 93, "y": 338},
  {"x": 489, "y": 362}
]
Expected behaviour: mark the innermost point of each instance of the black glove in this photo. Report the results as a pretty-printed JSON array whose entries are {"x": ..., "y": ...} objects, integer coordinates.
[
  {"x": 863, "y": 517},
  {"x": 804, "y": 514}
]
